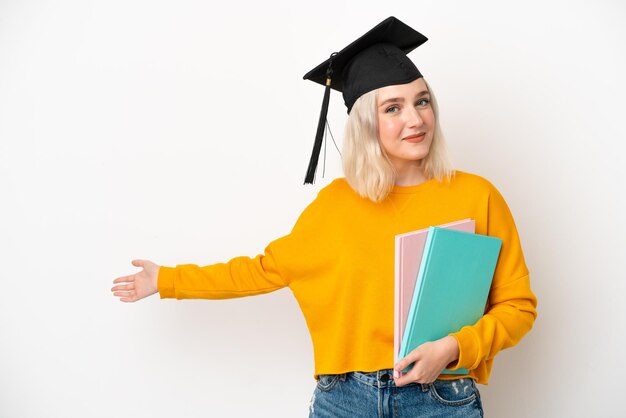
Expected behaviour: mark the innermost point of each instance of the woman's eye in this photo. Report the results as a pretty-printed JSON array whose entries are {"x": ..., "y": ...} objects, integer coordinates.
[
  {"x": 392, "y": 109},
  {"x": 423, "y": 102}
]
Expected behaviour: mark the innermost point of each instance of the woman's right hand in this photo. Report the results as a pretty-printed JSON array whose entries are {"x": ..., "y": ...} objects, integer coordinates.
[{"x": 137, "y": 286}]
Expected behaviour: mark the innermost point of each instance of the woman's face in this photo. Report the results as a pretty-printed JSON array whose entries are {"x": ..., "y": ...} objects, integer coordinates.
[{"x": 406, "y": 122}]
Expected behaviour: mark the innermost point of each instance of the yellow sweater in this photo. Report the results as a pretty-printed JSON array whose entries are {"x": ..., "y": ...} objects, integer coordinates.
[{"x": 339, "y": 263}]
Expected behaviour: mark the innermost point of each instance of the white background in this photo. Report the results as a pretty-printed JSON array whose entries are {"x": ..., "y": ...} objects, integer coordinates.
[{"x": 180, "y": 132}]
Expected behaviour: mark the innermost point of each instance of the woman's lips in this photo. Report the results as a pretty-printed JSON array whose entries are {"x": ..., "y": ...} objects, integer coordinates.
[{"x": 415, "y": 138}]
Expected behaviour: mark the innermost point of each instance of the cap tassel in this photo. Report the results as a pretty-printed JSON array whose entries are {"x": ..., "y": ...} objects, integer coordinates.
[{"x": 319, "y": 136}]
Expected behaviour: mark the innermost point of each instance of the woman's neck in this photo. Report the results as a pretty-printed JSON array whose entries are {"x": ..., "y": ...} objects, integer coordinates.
[{"x": 409, "y": 175}]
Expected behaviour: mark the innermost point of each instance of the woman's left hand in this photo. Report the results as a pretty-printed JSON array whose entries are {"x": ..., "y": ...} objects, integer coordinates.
[{"x": 430, "y": 359}]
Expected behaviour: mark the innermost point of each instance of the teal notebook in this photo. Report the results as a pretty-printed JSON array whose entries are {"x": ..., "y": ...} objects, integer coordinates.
[{"x": 452, "y": 286}]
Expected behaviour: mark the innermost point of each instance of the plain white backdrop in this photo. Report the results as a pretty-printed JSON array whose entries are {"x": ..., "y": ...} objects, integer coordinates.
[{"x": 180, "y": 132}]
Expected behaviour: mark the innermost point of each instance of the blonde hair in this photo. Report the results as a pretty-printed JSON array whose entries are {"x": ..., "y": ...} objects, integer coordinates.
[{"x": 366, "y": 166}]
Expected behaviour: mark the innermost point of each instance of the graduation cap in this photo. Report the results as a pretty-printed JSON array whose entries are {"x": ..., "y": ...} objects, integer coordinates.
[{"x": 377, "y": 59}]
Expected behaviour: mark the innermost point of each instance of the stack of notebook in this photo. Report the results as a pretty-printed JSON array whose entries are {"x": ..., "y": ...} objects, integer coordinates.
[{"x": 442, "y": 280}]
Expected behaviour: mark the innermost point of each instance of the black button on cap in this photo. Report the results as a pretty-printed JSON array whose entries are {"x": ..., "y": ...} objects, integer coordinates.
[{"x": 385, "y": 377}]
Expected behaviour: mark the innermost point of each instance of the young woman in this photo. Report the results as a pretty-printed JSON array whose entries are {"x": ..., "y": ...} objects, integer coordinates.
[{"x": 339, "y": 258}]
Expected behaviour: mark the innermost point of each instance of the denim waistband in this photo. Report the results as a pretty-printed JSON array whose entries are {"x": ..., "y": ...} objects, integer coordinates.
[{"x": 380, "y": 379}]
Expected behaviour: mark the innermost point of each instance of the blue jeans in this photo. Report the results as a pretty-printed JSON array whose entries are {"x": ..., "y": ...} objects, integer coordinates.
[{"x": 375, "y": 394}]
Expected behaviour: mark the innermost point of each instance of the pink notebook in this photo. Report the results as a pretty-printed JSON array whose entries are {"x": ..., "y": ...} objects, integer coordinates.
[{"x": 408, "y": 253}]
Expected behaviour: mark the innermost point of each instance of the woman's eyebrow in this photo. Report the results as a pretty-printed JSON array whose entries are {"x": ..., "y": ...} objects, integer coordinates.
[
  {"x": 392, "y": 100},
  {"x": 401, "y": 99}
]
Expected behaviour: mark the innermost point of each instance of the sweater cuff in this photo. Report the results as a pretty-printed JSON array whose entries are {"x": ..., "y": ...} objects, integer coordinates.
[
  {"x": 165, "y": 282},
  {"x": 468, "y": 349}
]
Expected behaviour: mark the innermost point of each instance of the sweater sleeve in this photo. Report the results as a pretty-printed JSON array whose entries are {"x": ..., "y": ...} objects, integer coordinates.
[
  {"x": 284, "y": 259},
  {"x": 239, "y": 277},
  {"x": 511, "y": 306}
]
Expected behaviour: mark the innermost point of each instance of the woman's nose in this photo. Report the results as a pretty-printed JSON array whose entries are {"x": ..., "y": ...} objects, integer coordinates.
[{"x": 413, "y": 117}]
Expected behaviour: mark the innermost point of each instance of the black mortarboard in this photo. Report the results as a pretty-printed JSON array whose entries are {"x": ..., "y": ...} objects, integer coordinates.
[{"x": 377, "y": 59}]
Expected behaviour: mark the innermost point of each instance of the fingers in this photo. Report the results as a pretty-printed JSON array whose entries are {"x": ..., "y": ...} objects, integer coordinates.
[
  {"x": 131, "y": 278},
  {"x": 126, "y": 296},
  {"x": 125, "y": 279},
  {"x": 130, "y": 286},
  {"x": 127, "y": 291},
  {"x": 416, "y": 374},
  {"x": 401, "y": 381},
  {"x": 401, "y": 365},
  {"x": 428, "y": 363},
  {"x": 406, "y": 378},
  {"x": 412, "y": 357}
]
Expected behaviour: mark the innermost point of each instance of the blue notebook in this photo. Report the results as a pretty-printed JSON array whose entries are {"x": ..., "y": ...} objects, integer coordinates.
[{"x": 452, "y": 286}]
